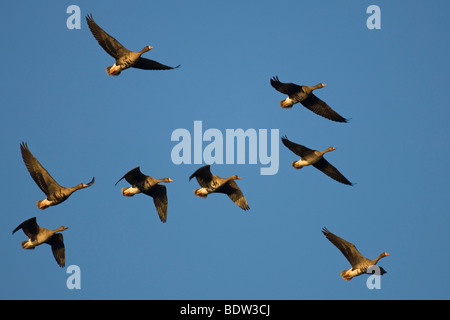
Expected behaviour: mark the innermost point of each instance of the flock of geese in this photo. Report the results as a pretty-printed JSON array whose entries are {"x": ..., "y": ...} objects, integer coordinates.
[{"x": 209, "y": 183}]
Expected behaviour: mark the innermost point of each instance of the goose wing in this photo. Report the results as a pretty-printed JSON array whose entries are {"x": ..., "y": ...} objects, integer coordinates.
[
  {"x": 59, "y": 252},
  {"x": 234, "y": 193},
  {"x": 298, "y": 149},
  {"x": 203, "y": 175},
  {"x": 147, "y": 64},
  {"x": 321, "y": 108},
  {"x": 107, "y": 42},
  {"x": 348, "y": 249},
  {"x": 159, "y": 195},
  {"x": 133, "y": 176},
  {"x": 327, "y": 168},
  {"x": 29, "y": 227},
  {"x": 286, "y": 88},
  {"x": 42, "y": 178}
]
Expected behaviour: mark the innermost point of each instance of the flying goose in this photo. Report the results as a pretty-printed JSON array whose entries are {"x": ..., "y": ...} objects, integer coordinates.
[
  {"x": 54, "y": 192},
  {"x": 141, "y": 183},
  {"x": 359, "y": 263},
  {"x": 314, "y": 158},
  {"x": 38, "y": 235},
  {"x": 211, "y": 183},
  {"x": 303, "y": 94},
  {"x": 124, "y": 57}
]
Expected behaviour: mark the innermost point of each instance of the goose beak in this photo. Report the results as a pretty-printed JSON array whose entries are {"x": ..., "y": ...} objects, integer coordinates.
[
  {"x": 239, "y": 178},
  {"x": 170, "y": 180},
  {"x": 150, "y": 47}
]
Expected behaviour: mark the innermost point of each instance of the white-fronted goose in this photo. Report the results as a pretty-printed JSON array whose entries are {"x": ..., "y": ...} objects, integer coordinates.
[
  {"x": 314, "y": 158},
  {"x": 54, "y": 192},
  {"x": 303, "y": 94},
  {"x": 38, "y": 235},
  {"x": 124, "y": 57},
  {"x": 359, "y": 263},
  {"x": 141, "y": 183},
  {"x": 212, "y": 184}
]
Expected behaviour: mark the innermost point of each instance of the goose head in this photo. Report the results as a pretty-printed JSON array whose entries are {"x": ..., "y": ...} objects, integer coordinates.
[
  {"x": 320, "y": 85},
  {"x": 81, "y": 186},
  {"x": 382, "y": 255},
  {"x": 146, "y": 48}
]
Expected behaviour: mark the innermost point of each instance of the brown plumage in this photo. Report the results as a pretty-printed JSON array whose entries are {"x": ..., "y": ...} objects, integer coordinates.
[
  {"x": 38, "y": 235},
  {"x": 124, "y": 58},
  {"x": 141, "y": 183},
  {"x": 359, "y": 263},
  {"x": 314, "y": 158},
  {"x": 54, "y": 192},
  {"x": 303, "y": 94},
  {"x": 211, "y": 183}
]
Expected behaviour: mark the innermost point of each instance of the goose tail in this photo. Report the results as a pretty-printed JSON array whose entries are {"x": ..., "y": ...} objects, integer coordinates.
[
  {"x": 199, "y": 193},
  {"x": 112, "y": 71},
  {"x": 345, "y": 275},
  {"x": 286, "y": 103},
  {"x": 26, "y": 245},
  {"x": 295, "y": 165},
  {"x": 42, "y": 204},
  {"x": 126, "y": 192}
]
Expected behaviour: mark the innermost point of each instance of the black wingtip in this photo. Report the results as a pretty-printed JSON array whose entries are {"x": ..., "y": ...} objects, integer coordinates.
[
  {"x": 343, "y": 120},
  {"x": 274, "y": 80},
  {"x": 338, "y": 118},
  {"x": 285, "y": 141},
  {"x": 91, "y": 182},
  {"x": 118, "y": 181}
]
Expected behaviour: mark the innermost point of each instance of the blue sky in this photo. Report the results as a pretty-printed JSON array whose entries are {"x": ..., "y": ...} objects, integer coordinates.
[{"x": 392, "y": 83}]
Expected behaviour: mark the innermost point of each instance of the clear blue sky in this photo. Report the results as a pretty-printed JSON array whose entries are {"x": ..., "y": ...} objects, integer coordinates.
[{"x": 392, "y": 82}]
